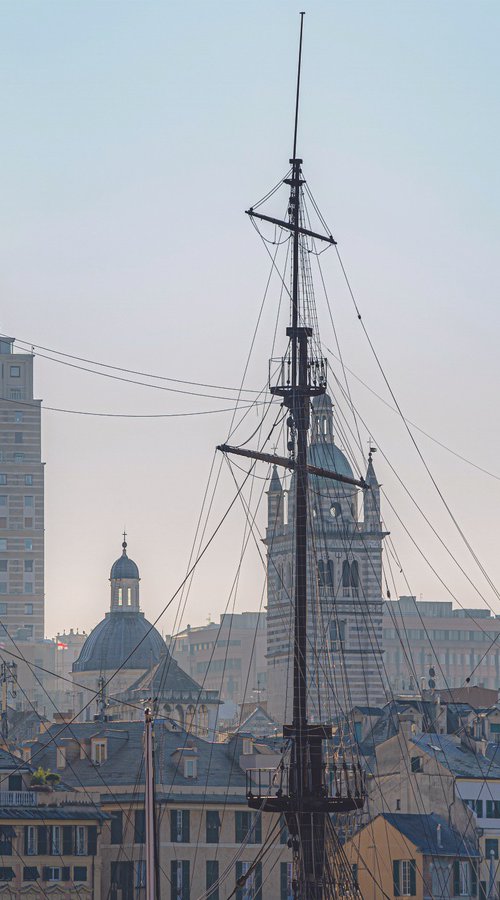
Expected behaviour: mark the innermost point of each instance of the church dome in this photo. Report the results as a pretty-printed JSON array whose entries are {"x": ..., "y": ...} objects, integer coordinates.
[
  {"x": 330, "y": 457},
  {"x": 124, "y": 567},
  {"x": 121, "y": 639}
]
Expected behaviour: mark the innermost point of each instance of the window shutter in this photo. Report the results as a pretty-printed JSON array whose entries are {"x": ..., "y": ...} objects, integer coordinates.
[
  {"x": 258, "y": 881},
  {"x": 413, "y": 878},
  {"x": 173, "y": 826},
  {"x": 239, "y": 873},
  {"x": 116, "y": 828},
  {"x": 456, "y": 878},
  {"x": 68, "y": 841},
  {"x": 238, "y": 816},
  {"x": 257, "y": 832},
  {"x": 185, "y": 826},
  {"x": 185, "y": 879},
  {"x": 42, "y": 842},
  {"x": 46, "y": 873},
  {"x": 173, "y": 877},
  {"x": 92, "y": 840},
  {"x": 65, "y": 876},
  {"x": 473, "y": 878},
  {"x": 284, "y": 881},
  {"x": 395, "y": 876},
  {"x": 26, "y": 832}
]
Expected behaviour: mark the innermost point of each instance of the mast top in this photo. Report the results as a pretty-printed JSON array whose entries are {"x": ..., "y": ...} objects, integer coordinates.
[{"x": 297, "y": 93}]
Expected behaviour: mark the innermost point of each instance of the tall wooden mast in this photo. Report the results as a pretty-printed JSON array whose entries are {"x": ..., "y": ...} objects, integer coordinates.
[{"x": 302, "y": 796}]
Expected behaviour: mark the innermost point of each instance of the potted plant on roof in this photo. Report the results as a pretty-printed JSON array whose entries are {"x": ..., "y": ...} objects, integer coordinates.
[
  {"x": 52, "y": 779},
  {"x": 39, "y": 780}
]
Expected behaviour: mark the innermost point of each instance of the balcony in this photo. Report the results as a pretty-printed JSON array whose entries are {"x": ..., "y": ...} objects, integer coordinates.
[{"x": 18, "y": 798}]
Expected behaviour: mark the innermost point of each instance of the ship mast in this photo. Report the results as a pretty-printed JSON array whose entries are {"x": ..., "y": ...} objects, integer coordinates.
[{"x": 302, "y": 797}]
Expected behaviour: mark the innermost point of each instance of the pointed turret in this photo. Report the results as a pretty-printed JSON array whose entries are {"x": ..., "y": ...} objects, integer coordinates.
[
  {"x": 274, "y": 502},
  {"x": 372, "y": 496},
  {"x": 124, "y": 579}
]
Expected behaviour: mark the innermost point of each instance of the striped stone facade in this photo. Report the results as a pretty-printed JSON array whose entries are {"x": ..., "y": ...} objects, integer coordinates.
[{"x": 345, "y": 656}]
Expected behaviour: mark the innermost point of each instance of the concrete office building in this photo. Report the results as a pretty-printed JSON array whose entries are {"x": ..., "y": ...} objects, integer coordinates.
[
  {"x": 21, "y": 498},
  {"x": 456, "y": 643}
]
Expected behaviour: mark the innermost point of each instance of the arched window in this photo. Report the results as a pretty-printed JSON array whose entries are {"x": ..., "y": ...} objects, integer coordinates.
[
  {"x": 129, "y": 596},
  {"x": 346, "y": 577},
  {"x": 120, "y": 596},
  {"x": 354, "y": 578},
  {"x": 321, "y": 573},
  {"x": 329, "y": 574}
]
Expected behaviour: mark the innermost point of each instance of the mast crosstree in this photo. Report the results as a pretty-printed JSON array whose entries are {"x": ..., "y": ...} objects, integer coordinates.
[{"x": 301, "y": 795}]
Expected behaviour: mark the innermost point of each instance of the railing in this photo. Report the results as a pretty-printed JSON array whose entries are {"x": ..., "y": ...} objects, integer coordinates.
[{"x": 18, "y": 798}]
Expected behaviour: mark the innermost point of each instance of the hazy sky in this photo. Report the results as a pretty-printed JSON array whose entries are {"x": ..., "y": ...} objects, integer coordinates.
[{"x": 134, "y": 135}]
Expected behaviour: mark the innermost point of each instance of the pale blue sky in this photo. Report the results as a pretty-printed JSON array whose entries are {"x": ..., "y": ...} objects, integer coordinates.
[{"x": 134, "y": 136}]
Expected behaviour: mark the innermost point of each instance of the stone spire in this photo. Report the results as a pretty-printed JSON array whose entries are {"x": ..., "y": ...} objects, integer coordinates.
[{"x": 372, "y": 497}]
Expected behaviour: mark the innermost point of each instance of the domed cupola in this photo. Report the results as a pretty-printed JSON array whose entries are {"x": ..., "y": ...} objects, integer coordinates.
[
  {"x": 124, "y": 567},
  {"x": 323, "y": 451},
  {"x": 124, "y": 638}
]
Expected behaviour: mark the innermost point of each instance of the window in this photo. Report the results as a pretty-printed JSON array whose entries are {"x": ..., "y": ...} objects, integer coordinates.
[
  {"x": 28, "y": 500},
  {"x": 6, "y": 835},
  {"x": 139, "y": 826},
  {"x": 116, "y": 827},
  {"x": 6, "y": 873},
  {"x": 18, "y": 457},
  {"x": 493, "y": 809},
  {"x": 55, "y": 840},
  {"x": 337, "y": 634},
  {"x": 179, "y": 879},
  {"x": 3, "y": 587},
  {"x": 15, "y": 371},
  {"x": 16, "y": 394},
  {"x": 286, "y": 888},
  {"x": 3, "y": 606},
  {"x": 491, "y": 847},
  {"x": 346, "y": 577},
  {"x": 247, "y": 823},
  {"x": 28, "y": 609},
  {"x": 251, "y": 883},
  {"x": 18, "y": 437},
  {"x": 416, "y": 764},
  {"x": 354, "y": 578},
  {"x": 28, "y": 630},
  {"x": 179, "y": 826},
  {"x": 404, "y": 877},
  {"x": 28, "y": 587},
  {"x": 213, "y": 826},
  {"x": 18, "y": 416},
  {"x": 81, "y": 842},
  {"x": 129, "y": 596},
  {"x": 80, "y": 873},
  {"x": 140, "y": 873},
  {"x": 28, "y": 565},
  {"x": 120, "y": 596},
  {"x": 28, "y": 480},
  {"x": 28, "y": 543},
  {"x": 189, "y": 768},
  {"x": 28, "y": 522},
  {"x": 3, "y": 499},
  {"x": 30, "y": 873},
  {"x": 464, "y": 878},
  {"x": 3, "y": 478},
  {"x": 52, "y": 873},
  {"x": 99, "y": 754},
  {"x": 30, "y": 840},
  {"x": 212, "y": 871}
]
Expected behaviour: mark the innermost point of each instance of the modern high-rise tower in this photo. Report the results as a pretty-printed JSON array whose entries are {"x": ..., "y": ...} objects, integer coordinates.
[
  {"x": 344, "y": 633},
  {"x": 22, "y": 596}
]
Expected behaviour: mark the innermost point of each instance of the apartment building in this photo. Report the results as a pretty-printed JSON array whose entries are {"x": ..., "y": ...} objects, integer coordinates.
[
  {"x": 21, "y": 497},
  {"x": 457, "y": 643},
  {"x": 229, "y": 658}
]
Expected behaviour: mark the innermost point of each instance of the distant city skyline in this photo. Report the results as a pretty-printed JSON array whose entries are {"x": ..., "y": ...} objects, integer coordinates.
[{"x": 135, "y": 137}]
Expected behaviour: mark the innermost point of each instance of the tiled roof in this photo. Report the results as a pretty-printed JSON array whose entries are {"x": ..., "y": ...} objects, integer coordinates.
[
  {"x": 422, "y": 830},
  {"x": 218, "y": 764},
  {"x": 448, "y": 750}
]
